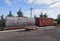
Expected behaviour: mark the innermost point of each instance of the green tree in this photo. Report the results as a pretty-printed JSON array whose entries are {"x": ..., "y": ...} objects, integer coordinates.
[
  {"x": 41, "y": 15},
  {"x": 2, "y": 23},
  {"x": 19, "y": 13},
  {"x": 2, "y": 17},
  {"x": 58, "y": 19},
  {"x": 10, "y": 14},
  {"x": 45, "y": 15},
  {"x": 34, "y": 16}
]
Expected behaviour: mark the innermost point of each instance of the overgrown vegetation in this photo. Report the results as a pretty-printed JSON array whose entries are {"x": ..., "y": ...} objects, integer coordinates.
[
  {"x": 19, "y": 13},
  {"x": 2, "y": 20},
  {"x": 10, "y": 14},
  {"x": 58, "y": 19},
  {"x": 2, "y": 23},
  {"x": 43, "y": 16}
]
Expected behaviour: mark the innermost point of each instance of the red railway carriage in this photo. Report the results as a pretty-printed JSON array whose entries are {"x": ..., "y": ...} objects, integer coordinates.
[{"x": 43, "y": 21}]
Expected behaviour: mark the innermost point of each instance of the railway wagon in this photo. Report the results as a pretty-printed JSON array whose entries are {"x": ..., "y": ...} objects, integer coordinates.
[
  {"x": 19, "y": 21},
  {"x": 44, "y": 21}
]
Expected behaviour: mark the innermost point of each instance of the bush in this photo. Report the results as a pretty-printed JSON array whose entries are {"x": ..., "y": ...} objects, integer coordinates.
[
  {"x": 2, "y": 24},
  {"x": 1, "y": 28},
  {"x": 58, "y": 21}
]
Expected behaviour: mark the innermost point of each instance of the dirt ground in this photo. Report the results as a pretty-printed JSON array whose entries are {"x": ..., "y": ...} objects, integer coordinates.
[{"x": 48, "y": 33}]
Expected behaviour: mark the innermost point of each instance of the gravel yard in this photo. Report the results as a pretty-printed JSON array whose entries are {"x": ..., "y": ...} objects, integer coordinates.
[{"x": 48, "y": 33}]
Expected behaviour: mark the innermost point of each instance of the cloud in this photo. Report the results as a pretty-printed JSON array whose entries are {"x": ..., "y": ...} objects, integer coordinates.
[
  {"x": 36, "y": 12},
  {"x": 19, "y": 0},
  {"x": 56, "y": 5},
  {"x": 9, "y": 2},
  {"x": 46, "y": 2},
  {"x": 51, "y": 13},
  {"x": 14, "y": 1},
  {"x": 54, "y": 9},
  {"x": 30, "y": 1}
]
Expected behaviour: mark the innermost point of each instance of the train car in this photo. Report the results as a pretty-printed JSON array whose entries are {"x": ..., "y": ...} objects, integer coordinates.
[
  {"x": 44, "y": 21},
  {"x": 19, "y": 21}
]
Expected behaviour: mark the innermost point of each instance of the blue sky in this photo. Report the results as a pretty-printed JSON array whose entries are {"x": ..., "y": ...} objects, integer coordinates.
[{"x": 50, "y": 7}]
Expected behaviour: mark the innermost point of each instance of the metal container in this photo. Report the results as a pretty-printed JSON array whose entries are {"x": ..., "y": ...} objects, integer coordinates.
[{"x": 43, "y": 21}]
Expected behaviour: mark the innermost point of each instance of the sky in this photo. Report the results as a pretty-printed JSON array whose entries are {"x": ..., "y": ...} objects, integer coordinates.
[{"x": 50, "y": 7}]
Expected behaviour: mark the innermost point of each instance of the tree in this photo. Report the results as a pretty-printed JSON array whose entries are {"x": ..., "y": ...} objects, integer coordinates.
[
  {"x": 10, "y": 14},
  {"x": 41, "y": 15},
  {"x": 19, "y": 13},
  {"x": 34, "y": 16},
  {"x": 45, "y": 16},
  {"x": 58, "y": 19},
  {"x": 2, "y": 17},
  {"x": 2, "y": 23}
]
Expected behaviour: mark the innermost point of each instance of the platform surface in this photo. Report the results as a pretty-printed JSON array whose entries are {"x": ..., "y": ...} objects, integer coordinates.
[{"x": 48, "y": 33}]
